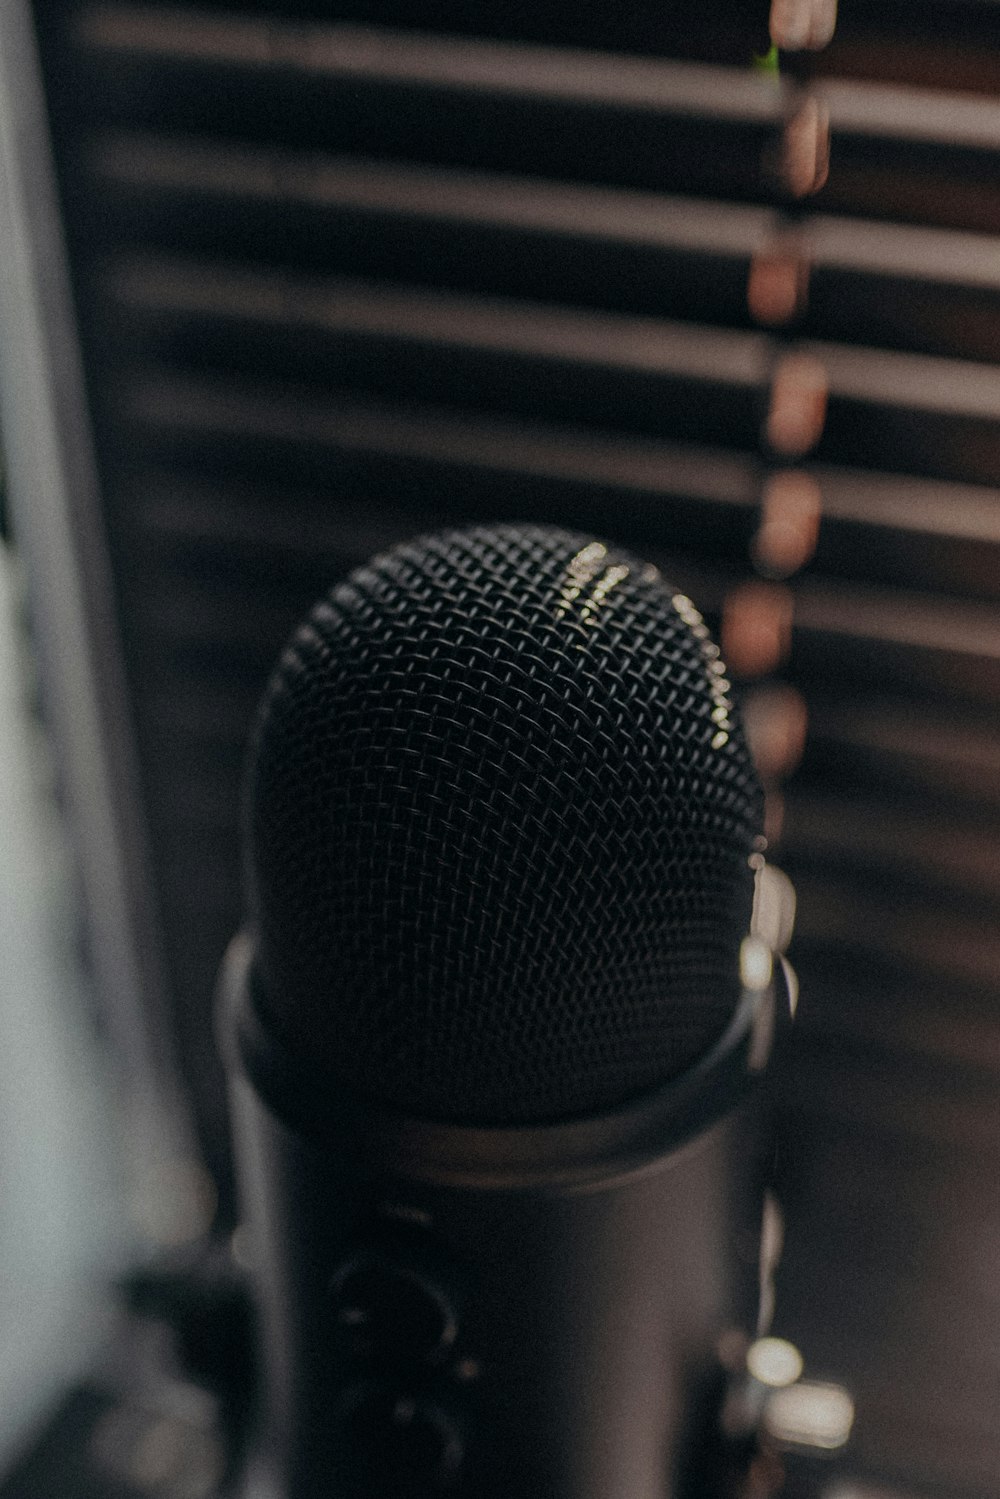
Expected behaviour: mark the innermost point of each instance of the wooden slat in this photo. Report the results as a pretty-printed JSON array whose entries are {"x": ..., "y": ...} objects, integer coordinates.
[{"x": 935, "y": 291}]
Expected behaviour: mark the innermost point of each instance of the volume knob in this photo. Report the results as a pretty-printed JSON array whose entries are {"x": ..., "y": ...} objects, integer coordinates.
[
  {"x": 398, "y": 1444},
  {"x": 391, "y": 1311}
]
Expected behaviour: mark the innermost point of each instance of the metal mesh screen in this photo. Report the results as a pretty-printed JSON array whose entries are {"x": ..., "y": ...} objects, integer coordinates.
[{"x": 501, "y": 821}]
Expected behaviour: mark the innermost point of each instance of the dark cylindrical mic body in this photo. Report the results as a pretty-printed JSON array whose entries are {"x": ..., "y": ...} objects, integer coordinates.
[{"x": 495, "y": 1071}]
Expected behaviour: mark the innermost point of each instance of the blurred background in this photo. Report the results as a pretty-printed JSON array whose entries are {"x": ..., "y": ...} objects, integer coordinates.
[{"x": 283, "y": 284}]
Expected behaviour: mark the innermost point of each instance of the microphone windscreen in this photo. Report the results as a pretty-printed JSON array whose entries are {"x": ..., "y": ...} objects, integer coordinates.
[{"x": 500, "y": 818}]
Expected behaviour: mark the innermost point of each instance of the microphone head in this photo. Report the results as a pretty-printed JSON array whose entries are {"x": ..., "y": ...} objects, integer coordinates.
[{"x": 501, "y": 814}]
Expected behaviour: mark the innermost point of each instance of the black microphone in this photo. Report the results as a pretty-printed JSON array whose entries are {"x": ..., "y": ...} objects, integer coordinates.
[{"x": 495, "y": 1031}]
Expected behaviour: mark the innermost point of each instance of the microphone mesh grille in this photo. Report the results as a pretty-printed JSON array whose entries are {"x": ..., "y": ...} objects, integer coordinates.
[{"x": 498, "y": 843}]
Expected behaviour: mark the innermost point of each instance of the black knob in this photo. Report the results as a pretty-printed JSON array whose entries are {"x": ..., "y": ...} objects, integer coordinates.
[
  {"x": 398, "y": 1443},
  {"x": 389, "y": 1310}
]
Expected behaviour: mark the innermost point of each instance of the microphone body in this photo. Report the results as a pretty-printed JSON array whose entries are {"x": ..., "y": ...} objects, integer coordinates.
[
  {"x": 501, "y": 1313},
  {"x": 495, "y": 1056}
]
